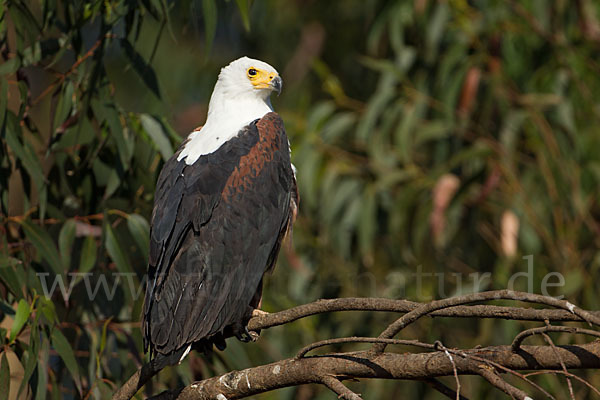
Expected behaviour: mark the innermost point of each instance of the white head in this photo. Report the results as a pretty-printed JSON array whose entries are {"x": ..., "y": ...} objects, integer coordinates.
[
  {"x": 246, "y": 78},
  {"x": 240, "y": 96}
]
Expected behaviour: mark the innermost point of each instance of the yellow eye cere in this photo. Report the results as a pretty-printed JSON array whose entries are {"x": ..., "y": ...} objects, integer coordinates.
[{"x": 259, "y": 78}]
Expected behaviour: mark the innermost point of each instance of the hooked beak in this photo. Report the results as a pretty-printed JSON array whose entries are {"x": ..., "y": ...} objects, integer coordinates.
[{"x": 276, "y": 84}]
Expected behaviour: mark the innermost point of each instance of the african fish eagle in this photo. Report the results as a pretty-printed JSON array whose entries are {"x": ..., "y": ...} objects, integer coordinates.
[{"x": 223, "y": 204}]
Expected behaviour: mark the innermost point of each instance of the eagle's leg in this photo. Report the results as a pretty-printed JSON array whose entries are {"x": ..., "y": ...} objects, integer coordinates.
[
  {"x": 246, "y": 335},
  {"x": 241, "y": 331}
]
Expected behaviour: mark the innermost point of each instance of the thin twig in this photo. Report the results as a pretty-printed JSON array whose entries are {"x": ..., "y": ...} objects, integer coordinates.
[
  {"x": 77, "y": 63},
  {"x": 562, "y": 364},
  {"x": 569, "y": 374},
  {"x": 499, "y": 366},
  {"x": 339, "y": 388},
  {"x": 439, "y": 345},
  {"x": 490, "y": 375},
  {"x": 516, "y": 343},
  {"x": 358, "y": 339},
  {"x": 408, "y": 318},
  {"x": 445, "y": 390}
]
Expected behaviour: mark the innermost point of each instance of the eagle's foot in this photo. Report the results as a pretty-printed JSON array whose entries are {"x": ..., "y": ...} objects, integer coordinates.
[
  {"x": 258, "y": 313},
  {"x": 247, "y": 336}
]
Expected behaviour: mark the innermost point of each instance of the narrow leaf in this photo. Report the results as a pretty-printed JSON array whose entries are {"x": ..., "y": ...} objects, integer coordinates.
[
  {"x": 115, "y": 252},
  {"x": 65, "y": 242},
  {"x": 63, "y": 348},
  {"x": 10, "y": 66},
  {"x": 140, "y": 65},
  {"x": 4, "y": 377},
  {"x": 244, "y": 12},
  {"x": 209, "y": 8},
  {"x": 44, "y": 245},
  {"x": 158, "y": 135},
  {"x": 88, "y": 254},
  {"x": 23, "y": 312},
  {"x": 140, "y": 230}
]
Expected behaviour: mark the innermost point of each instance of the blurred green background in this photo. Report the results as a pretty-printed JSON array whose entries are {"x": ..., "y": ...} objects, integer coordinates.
[{"x": 442, "y": 147}]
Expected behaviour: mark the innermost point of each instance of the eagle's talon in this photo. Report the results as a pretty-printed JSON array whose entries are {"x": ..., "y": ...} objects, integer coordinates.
[
  {"x": 246, "y": 336},
  {"x": 242, "y": 337},
  {"x": 253, "y": 335}
]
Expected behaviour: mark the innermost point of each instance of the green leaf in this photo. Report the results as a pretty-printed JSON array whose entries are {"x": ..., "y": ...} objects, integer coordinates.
[
  {"x": 140, "y": 230},
  {"x": 23, "y": 312},
  {"x": 4, "y": 377},
  {"x": 140, "y": 65},
  {"x": 243, "y": 7},
  {"x": 115, "y": 252},
  {"x": 107, "y": 113},
  {"x": 12, "y": 132},
  {"x": 64, "y": 106},
  {"x": 10, "y": 66},
  {"x": 158, "y": 135},
  {"x": 368, "y": 221},
  {"x": 3, "y": 100},
  {"x": 64, "y": 350},
  {"x": 32, "y": 54},
  {"x": 103, "y": 338},
  {"x": 6, "y": 261},
  {"x": 32, "y": 358},
  {"x": 66, "y": 238},
  {"x": 88, "y": 254},
  {"x": 12, "y": 274},
  {"x": 209, "y": 9},
  {"x": 46, "y": 306},
  {"x": 44, "y": 245}
]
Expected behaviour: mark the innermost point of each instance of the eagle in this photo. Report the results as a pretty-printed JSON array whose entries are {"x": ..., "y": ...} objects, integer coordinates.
[{"x": 223, "y": 204}]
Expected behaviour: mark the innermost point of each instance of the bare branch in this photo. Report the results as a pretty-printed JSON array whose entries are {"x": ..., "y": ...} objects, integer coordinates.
[
  {"x": 445, "y": 390},
  {"x": 490, "y": 375},
  {"x": 439, "y": 345},
  {"x": 136, "y": 382},
  {"x": 551, "y": 328},
  {"x": 425, "y": 309},
  {"x": 419, "y": 366},
  {"x": 567, "y": 374},
  {"x": 562, "y": 364},
  {"x": 357, "y": 339},
  {"x": 339, "y": 388},
  {"x": 404, "y": 306},
  {"x": 443, "y": 308}
]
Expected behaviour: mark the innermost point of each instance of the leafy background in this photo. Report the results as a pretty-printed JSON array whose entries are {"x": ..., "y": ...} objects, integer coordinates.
[{"x": 435, "y": 141}]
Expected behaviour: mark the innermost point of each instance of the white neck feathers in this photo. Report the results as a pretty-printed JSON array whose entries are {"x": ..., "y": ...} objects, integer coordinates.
[{"x": 233, "y": 105}]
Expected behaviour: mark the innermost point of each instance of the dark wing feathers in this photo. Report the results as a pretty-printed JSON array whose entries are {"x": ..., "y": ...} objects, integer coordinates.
[{"x": 217, "y": 227}]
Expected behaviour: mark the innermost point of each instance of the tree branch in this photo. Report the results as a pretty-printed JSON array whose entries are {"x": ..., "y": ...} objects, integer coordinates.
[
  {"x": 425, "y": 309},
  {"x": 404, "y": 306},
  {"x": 444, "y": 308},
  {"x": 543, "y": 329},
  {"x": 365, "y": 364},
  {"x": 494, "y": 379},
  {"x": 338, "y": 387}
]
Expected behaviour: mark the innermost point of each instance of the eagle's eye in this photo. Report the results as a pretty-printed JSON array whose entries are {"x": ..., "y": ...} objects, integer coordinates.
[{"x": 252, "y": 72}]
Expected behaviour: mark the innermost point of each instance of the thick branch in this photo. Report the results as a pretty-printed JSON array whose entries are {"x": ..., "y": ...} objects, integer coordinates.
[
  {"x": 371, "y": 304},
  {"x": 364, "y": 364}
]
